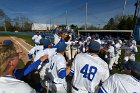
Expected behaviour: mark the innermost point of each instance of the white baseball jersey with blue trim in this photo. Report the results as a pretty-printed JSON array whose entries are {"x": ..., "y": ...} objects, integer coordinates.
[
  {"x": 121, "y": 83},
  {"x": 48, "y": 51},
  {"x": 57, "y": 64},
  {"x": 56, "y": 39},
  {"x": 88, "y": 72},
  {"x": 37, "y": 40},
  {"x": 117, "y": 48},
  {"x": 34, "y": 37},
  {"x": 111, "y": 51},
  {"x": 12, "y": 85},
  {"x": 35, "y": 49}
]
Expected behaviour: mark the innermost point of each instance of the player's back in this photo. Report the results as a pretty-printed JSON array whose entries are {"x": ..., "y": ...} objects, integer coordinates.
[
  {"x": 121, "y": 83},
  {"x": 57, "y": 63},
  {"x": 11, "y": 85},
  {"x": 89, "y": 71},
  {"x": 128, "y": 84}
]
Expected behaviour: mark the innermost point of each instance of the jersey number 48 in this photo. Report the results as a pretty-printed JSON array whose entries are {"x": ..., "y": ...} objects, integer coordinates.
[{"x": 88, "y": 72}]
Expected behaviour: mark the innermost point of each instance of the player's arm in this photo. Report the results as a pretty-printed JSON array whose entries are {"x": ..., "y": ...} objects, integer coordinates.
[
  {"x": 61, "y": 68},
  {"x": 109, "y": 85},
  {"x": 105, "y": 74},
  {"x": 31, "y": 52},
  {"x": 26, "y": 70},
  {"x": 135, "y": 50}
]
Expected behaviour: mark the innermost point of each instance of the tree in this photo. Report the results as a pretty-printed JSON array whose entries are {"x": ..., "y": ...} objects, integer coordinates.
[
  {"x": 121, "y": 23},
  {"x": 111, "y": 24},
  {"x": 127, "y": 23},
  {"x": 22, "y": 23}
]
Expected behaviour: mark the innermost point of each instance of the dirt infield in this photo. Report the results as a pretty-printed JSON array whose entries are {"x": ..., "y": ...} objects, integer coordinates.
[{"x": 25, "y": 47}]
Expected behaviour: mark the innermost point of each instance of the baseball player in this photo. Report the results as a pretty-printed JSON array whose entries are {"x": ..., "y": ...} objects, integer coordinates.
[
  {"x": 48, "y": 50},
  {"x": 9, "y": 59},
  {"x": 97, "y": 38},
  {"x": 81, "y": 46},
  {"x": 36, "y": 38},
  {"x": 133, "y": 40},
  {"x": 88, "y": 70},
  {"x": 19, "y": 73},
  {"x": 61, "y": 36},
  {"x": 74, "y": 48},
  {"x": 117, "y": 50},
  {"x": 130, "y": 51},
  {"x": 35, "y": 49},
  {"x": 58, "y": 70},
  {"x": 110, "y": 54},
  {"x": 124, "y": 83}
]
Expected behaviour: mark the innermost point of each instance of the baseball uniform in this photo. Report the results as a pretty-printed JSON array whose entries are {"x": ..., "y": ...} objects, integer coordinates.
[
  {"x": 58, "y": 74},
  {"x": 11, "y": 85},
  {"x": 88, "y": 72},
  {"x": 120, "y": 83},
  {"x": 130, "y": 53}
]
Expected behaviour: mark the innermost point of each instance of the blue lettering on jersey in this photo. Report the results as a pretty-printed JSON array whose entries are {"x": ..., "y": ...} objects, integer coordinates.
[
  {"x": 52, "y": 65},
  {"x": 36, "y": 52},
  {"x": 92, "y": 71}
]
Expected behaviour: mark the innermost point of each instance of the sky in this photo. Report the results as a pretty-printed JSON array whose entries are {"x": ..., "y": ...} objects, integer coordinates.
[{"x": 54, "y": 11}]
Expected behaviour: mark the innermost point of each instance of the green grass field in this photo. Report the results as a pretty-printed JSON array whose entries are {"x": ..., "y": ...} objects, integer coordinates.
[{"x": 27, "y": 38}]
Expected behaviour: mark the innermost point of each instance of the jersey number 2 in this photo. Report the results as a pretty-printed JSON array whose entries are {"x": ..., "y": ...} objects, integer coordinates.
[{"x": 88, "y": 72}]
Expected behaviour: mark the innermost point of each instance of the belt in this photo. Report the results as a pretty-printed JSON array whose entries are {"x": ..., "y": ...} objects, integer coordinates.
[
  {"x": 75, "y": 88},
  {"x": 56, "y": 83}
]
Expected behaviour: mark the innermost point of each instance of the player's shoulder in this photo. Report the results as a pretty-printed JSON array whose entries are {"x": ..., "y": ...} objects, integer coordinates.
[
  {"x": 80, "y": 55},
  {"x": 58, "y": 56},
  {"x": 25, "y": 88},
  {"x": 119, "y": 76},
  {"x": 17, "y": 84},
  {"x": 101, "y": 62}
]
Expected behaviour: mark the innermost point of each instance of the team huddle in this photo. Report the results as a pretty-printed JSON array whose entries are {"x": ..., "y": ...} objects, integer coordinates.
[{"x": 87, "y": 60}]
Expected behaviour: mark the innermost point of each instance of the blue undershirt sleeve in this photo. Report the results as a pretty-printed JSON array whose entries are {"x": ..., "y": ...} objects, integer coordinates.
[{"x": 19, "y": 73}]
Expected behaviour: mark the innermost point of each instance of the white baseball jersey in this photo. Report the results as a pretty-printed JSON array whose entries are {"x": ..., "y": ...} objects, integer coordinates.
[
  {"x": 37, "y": 40},
  {"x": 57, "y": 64},
  {"x": 12, "y": 85},
  {"x": 121, "y": 83},
  {"x": 117, "y": 48},
  {"x": 34, "y": 37},
  {"x": 88, "y": 72},
  {"x": 81, "y": 46},
  {"x": 48, "y": 51},
  {"x": 98, "y": 40},
  {"x": 131, "y": 49},
  {"x": 111, "y": 52},
  {"x": 56, "y": 39},
  {"x": 35, "y": 49},
  {"x": 120, "y": 41},
  {"x": 134, "y": 42}
]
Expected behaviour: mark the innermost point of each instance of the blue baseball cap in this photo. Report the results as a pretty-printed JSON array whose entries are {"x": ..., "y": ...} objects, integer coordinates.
[
  {"x": 109, "y": 42},
  {"x": 7, "y": 42},
  {"x": 133, "y": 65},
  {"x": 42, "y": 40},
  {"x": 94, "y": 45},
  {"x": 46, "y": 42},
  {"x": 61, "y": 46}
]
